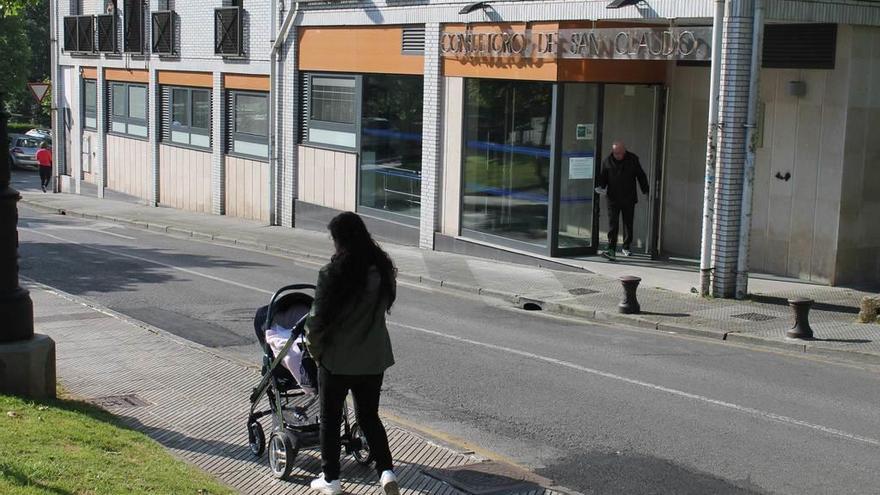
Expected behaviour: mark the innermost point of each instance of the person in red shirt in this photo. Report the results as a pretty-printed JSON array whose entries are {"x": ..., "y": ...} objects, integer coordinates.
[{"x": 44, "y": 158}]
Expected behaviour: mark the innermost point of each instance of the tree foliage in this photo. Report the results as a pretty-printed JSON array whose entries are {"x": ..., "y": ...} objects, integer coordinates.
[{"x": 24, "y": 55}]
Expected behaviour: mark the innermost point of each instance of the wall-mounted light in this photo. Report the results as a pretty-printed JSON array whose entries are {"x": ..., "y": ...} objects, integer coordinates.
[
  {"x": 467, "y": 9},
  {"x": 797, "y": 88},
  {"x": 616, "y": 4}
]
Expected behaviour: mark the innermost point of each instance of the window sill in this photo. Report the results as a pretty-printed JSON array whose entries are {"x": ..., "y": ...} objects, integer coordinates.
[
  {"x": 249, "y": 157},
  {"x": 329, "y": 147},
  {"x": 128, "y": 136},
  {"x": 187, "y": 146}
]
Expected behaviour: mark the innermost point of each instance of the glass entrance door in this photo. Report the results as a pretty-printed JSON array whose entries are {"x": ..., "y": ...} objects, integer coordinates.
[
  {"x": 632, "y": 114},
  {"x": 575, "y": 169}
]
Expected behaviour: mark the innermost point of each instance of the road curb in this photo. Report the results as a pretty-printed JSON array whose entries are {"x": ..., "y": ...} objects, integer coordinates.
[{"x": 551, "y": 307}]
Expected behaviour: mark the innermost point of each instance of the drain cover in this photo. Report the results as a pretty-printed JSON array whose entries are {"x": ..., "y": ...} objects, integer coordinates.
[
  {"x": 581, "y": 291},
  {"x": 488, "y": 478},
  {"x": 754, "y": 317},
  {"x": 116, "y": 401}
]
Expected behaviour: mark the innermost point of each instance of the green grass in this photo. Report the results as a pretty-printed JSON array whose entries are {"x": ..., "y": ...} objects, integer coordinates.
[{"x": 62, "y": 447}]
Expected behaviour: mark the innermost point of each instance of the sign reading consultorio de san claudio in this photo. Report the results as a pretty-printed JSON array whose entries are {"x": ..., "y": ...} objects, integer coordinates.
[{"x": 693, "y": 43}]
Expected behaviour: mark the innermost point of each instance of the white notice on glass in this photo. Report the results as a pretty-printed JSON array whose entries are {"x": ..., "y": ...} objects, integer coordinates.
[{"x": 580, "y": 167}]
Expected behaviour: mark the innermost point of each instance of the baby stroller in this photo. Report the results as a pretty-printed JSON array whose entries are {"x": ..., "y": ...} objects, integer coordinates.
[{"x": 289, "y": 402}]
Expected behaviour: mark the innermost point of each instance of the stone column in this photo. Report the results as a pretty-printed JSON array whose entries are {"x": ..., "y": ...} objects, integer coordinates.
[
  {"x": 736, "y": 57},
  {"x": 100, "y": 168},
  {"x": 431, "y": 131},
  {"x": 290, "y": 120},
  {"x": 218, "y": 165}
]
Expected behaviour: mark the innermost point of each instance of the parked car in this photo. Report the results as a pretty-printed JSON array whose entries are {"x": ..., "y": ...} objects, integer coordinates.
[
  {"x": 23, "y": 150},
  {"x": 40, "y": 133}
]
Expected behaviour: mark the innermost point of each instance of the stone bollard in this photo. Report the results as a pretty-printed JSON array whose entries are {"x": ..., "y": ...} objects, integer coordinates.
[
  {"x": 800, "y": 306},
  {"x": 870, "y": 309},
  {"x": 629, "y": 305}
]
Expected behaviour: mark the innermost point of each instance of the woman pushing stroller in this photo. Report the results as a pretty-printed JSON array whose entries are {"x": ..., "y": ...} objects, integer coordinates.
[{"x": 346, "y": 334}]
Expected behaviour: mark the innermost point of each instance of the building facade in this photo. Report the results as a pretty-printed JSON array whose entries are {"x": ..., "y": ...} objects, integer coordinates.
[{"x": 479, "y": 127}]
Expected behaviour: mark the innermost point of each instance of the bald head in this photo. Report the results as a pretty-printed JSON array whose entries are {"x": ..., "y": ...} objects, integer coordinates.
[{"x": 618, "y": 150}]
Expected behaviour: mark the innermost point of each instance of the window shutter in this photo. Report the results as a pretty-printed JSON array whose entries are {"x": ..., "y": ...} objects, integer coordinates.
[
  {"x": 799, "y": 46},
  {"x": 304, "y": 106},
  {"x": 165, "y": 119},
  {"x": 413, "y": 40},
  {"x": 133, "y": 40},
  {"x": 229, "y": 115},
  {"x": 108, "y": 111},
  {"x": 85, "y": 27},
  {"x": 70, "y": 37},
  {"x": 163, "y": 32},
  {"x": 227, "y": 31},
  {"x": 106, "y": 33}
]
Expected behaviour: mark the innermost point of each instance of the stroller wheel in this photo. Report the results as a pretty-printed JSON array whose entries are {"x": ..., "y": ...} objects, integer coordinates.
[
  {"x": 282, "y": 451},
  {"x": 256, "y": 438},
  {"x": 360, "y": 449}
]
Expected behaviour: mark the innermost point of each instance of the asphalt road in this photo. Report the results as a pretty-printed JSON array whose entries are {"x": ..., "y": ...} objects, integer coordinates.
[{"x": 599, "y": 409}]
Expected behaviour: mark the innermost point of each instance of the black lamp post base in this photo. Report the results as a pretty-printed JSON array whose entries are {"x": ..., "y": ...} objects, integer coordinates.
[{"x": 18, "y": 316}]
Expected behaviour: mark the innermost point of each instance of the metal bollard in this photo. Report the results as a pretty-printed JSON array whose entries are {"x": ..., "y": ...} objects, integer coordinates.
[
  {"x": 629, "y": 305},
  {"x": 800, "y": 306}
]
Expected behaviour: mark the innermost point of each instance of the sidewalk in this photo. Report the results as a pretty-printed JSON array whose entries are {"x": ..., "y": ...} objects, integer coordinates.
[
  {"x": 195, "y": 404},
  {"x": 591, "y": 291}
]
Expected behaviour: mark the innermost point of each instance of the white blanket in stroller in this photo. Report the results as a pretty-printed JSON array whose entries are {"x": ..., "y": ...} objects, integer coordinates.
[{"x": 276, "y": 337}]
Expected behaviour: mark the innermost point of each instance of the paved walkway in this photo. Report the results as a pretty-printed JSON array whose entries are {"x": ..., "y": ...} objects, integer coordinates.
[
  {"x": 195, "y": 403},
  {"x": 667, "y": 304}
]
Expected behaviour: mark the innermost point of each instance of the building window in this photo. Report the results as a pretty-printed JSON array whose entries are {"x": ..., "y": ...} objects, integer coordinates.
[
  {"x": 391, "y": 144},
  {"x": 333, "y": 110},
  {"x": 128, "y": 109},
  {"x": 187, "y": 118},
  {"x": 249, "y": 119},
  {"x": 90, "y": 104},
  {"x": 506, "y": 160}
]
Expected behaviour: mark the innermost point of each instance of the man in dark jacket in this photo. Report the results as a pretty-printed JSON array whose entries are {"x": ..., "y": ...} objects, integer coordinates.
[{"x": 617, "y": 178}]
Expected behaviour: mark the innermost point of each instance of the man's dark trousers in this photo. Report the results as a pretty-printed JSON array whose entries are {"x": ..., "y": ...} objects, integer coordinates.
[
  {"x": 332, "y": 390},
  {"x": 615, "y": 210}
]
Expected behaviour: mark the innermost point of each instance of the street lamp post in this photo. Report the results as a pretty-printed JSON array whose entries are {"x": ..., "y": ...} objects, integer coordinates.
[
  {"x": 27, "y": 361},
  {"x": 15, "y": 302}
]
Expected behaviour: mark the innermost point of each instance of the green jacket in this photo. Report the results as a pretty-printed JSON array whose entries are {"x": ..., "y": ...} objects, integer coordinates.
[{"x": 356, "y": 342}]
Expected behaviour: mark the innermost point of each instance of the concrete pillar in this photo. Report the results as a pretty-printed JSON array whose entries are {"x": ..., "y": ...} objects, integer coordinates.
[
  {"x": 27, "y": 367},
  {"x": 290, "y": 120},
  {"x": 218, "y": 165},
  {"x": 431, "y": 129},
  {"x": 736, "y": 56},
  {"x": 155, "y": 129},
  {"x": 100, "y": 168}
]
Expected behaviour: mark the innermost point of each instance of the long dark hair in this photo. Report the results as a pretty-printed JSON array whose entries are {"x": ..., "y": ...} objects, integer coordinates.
[{"x": 356, "y": 252}]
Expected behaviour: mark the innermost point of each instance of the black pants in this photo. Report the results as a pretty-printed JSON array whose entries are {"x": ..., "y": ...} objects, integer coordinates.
[
  {"x": 614, "y": 212},
  {"x": 45, "y": 176},
  {"x": 332, "y": 390}
]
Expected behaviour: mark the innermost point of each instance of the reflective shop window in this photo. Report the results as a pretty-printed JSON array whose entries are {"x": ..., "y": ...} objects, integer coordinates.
[
  {"x": 128, "y": 113},
  {"x": 333, "y": 110},
  {"x": 90, "y": 104},
  {"x": 391, "y": 144},
  {"x": 190, "y": 119},
  {"x": 506, "y": 159},
  {"x": 250, "y": 117}
]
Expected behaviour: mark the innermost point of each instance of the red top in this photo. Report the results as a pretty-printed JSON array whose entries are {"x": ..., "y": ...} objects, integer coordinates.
[{"x": 44, "y": 157}]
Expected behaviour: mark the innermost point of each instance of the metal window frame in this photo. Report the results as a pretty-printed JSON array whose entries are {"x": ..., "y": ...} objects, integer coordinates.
[
  {"x": 234, "y": 135},
  {"x": 354, "y": 128},
  {"x": 126, "y": 118},
  {"x": 85, "y": 109},
  {"x": 188, "y": 128}
]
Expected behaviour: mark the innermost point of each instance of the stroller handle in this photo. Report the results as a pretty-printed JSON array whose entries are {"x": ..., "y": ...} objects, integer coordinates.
[{"x": 278, "y": 293}]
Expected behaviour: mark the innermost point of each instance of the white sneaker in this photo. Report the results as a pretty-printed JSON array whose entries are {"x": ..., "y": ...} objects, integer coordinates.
[
  {"x": 328, "y": 488},
  {"x": 627, "y": 252},
  {"x": 389, "y": 483}
]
